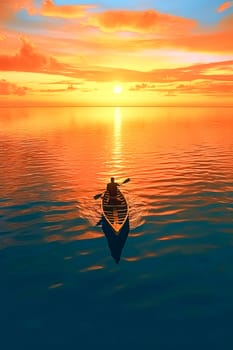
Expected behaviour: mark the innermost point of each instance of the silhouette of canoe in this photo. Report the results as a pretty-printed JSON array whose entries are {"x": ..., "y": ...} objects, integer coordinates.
[{"x": 115, "y": 212}]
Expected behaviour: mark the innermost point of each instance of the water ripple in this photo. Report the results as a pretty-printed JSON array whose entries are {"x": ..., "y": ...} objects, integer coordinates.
[{"x": 180, "y": 185}]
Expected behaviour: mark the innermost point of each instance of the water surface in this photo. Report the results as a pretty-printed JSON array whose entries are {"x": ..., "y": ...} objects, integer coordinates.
[{"x": 59, "y": 284}]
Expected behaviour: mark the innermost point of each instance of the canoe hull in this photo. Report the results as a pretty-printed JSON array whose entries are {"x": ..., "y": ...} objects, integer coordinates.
[{"x": 115, "y": 213}]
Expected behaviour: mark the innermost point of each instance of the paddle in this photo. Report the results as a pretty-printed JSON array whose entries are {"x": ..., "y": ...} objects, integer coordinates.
[{"x": 97, "y": 196}]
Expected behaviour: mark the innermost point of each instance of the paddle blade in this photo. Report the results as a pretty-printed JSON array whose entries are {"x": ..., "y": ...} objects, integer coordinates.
[
  {"x": 97, "y": 196},
  {"x": 125, "y": 181}
]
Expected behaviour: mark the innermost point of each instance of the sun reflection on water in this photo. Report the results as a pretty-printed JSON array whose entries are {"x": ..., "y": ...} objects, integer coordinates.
[{"x": 117, "y": 141}]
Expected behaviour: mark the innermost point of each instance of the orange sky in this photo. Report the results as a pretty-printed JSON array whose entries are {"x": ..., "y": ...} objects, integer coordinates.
[{"x": 75, "y": 52}]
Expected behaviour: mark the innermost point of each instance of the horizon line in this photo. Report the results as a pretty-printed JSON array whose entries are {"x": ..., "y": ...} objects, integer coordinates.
[{"x": 119, "y": 106}]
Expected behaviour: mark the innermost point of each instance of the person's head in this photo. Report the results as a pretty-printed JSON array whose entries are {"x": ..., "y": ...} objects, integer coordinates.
[{"x": 112, "y": 179}]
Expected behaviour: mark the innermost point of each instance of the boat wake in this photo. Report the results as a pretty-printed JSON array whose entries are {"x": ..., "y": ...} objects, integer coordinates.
[
  {"x": 137, "y": 211},
  {"x": 90, "y": 210}
]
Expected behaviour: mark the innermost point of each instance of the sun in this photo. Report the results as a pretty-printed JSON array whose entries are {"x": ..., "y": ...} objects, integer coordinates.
[{"x": 117, "y": 89}]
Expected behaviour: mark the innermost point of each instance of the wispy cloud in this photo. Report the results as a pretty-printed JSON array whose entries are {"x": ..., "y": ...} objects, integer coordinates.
[
  {"x": 69, "y": 88},
  {"x": 201, "y": 87},
  {"x": 80, "y": 47},
  {"x": 50, "y": 9},
  {"x": 161, "y": 35},
  {"x": 216, "y": 71},
  {"x": 8, "y": 88},
  {"x": 47, "y": 8},
  {"x": 29, "y": 59},
  {"x": 225, "y": 6}
]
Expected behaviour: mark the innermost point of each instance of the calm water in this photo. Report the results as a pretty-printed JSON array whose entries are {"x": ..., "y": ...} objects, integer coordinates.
[{"x": 60, "y": 286}]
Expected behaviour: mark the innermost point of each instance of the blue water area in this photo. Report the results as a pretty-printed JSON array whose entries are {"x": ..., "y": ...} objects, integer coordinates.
[{"x": 60, "y": 286}]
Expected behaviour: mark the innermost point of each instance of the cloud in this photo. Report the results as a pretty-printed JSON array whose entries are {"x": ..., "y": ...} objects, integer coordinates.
[
  {"x": 68, "y": 82},
  {"x": 203, "y": 87},
  {"x": 69, "y": 88},
  {"x": 98, "y": 33},
  {"x": 148, "y": 21},
  {"x": 206, "y": 87},
  {"x": 217, "y": 40},
  {"x": 216, "y": 71},
  {"x": 9, "y": 7},
  {"x": 7, "y": 88},
  {"x": 225, "y": 6},
  {"x": 144, "y": 87},
  {"x": 28, "y": 59},
  {"x": 50, "y": 9}
]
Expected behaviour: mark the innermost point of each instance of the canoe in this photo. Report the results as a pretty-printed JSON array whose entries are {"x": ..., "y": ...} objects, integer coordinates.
[{"x": 115, "y": 214}]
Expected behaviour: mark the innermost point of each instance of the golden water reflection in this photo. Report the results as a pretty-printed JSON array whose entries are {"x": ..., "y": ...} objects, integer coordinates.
[
  {"x": 117, "y": 143},
  {"x": 52, "y": 162}
]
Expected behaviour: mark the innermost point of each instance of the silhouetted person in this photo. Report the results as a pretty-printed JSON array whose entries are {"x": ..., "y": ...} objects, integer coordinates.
[{"x": 112, "y": 190}]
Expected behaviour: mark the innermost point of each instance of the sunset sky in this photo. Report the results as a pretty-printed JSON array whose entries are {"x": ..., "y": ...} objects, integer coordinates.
[{"x": 124, "y": 52}]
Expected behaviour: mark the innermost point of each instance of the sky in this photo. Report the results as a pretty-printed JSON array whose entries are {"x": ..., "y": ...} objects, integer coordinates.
[{"x": 124, "y": 52}]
